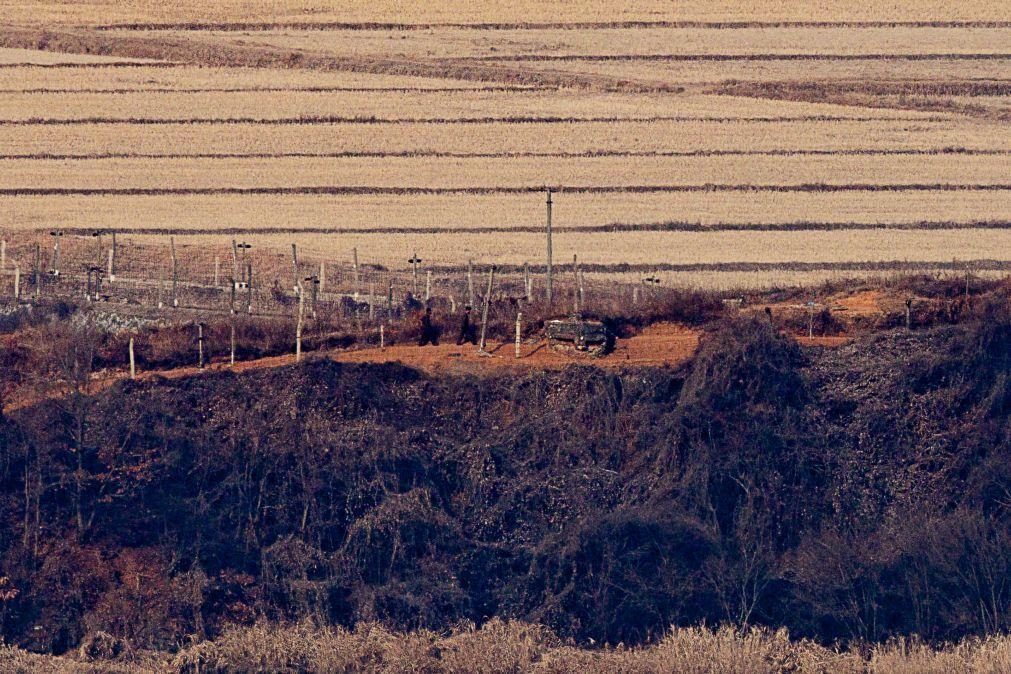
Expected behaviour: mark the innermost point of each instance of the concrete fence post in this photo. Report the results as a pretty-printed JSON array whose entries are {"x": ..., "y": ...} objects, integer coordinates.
[
  {"x": 133, "y": 362},
  {"x": 519, "y": 332}
]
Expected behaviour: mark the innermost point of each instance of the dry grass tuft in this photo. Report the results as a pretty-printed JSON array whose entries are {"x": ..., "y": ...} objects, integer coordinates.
[{"x": 508, "y": 646}]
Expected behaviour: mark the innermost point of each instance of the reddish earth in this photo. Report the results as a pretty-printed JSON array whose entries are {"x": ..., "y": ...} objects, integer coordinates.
[
  {"x": 661, "y": 344},
  {"x": 867, "y": 303},
  {"x": 657, "y": 345},
  {"x": 664, "y": 344}
]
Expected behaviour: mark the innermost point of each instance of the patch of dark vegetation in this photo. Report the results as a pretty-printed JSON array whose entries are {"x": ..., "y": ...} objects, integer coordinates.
[{"x": 855, "y": 493}]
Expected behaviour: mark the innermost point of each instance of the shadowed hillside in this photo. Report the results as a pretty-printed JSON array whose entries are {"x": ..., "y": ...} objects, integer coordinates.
[{"x": 854, "y": 493}]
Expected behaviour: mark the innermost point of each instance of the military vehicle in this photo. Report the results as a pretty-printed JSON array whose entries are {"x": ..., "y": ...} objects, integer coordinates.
[{"x": 580, "y": 334}]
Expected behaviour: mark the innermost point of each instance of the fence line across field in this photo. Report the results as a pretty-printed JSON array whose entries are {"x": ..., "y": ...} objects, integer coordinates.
[{"x": 233, "y": 277}]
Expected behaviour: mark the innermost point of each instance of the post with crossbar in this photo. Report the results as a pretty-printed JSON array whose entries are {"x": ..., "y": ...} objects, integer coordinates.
[
  {"x": 484, "y": 311},
  {"x": 414, "y": 267},
  {"x": 56, "y": 252},
  {"x": 550, "y": 284}
]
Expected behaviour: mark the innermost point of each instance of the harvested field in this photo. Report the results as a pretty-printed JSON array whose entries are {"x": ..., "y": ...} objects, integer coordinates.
[
  {"x": 238, "y": 212},
  {"x": 672, "y": 72},
  {"x": 444, "y": 106},
  {"x": 10, "y": 58},
  {"x": 840, "y": 136},
  {"x": 587, "y": 137},
  {"x": 524, "y": 11},
  {"x": 603, "y": 251},
  {"x": 203, "y": 79},
  {"x": 447, "y": 42},
  {"x": 500, "y": 172}
]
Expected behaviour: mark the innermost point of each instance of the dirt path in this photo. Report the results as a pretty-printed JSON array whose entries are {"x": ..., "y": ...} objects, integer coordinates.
[{"x": 658, "y": 345}]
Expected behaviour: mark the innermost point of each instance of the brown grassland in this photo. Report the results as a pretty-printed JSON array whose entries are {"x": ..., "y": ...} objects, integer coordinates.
[{"x": 511, "y": 647}]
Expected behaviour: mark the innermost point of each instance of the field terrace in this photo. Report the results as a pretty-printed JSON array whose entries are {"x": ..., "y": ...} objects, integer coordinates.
[{"x": 668, "y": 143}]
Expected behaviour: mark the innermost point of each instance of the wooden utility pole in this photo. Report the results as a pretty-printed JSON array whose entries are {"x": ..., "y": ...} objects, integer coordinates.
[
  {"x": 111, "y": 265},
  {"x": 550, "y": 285},
  {"x": 17, "y": 283},
  {"x": 428, "y": 285},
  {"x": 484, "y": 311},
  {"x": 133, "y": 361},
  {"x": 470, "y": 283},
  {"x": 322, "y": 277},
  {"x": 235, "y": 261},
  {"x": 294, "y": 269},
  {"x": 175, "y": 273},
  {"x": 354, "y": 269}
]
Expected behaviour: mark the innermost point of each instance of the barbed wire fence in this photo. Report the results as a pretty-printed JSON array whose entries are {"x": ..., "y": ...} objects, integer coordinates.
[{"x": 160, "y": 279}]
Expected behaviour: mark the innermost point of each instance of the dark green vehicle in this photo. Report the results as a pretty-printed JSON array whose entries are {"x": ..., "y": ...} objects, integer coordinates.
[{"x": 581, "y": 334}]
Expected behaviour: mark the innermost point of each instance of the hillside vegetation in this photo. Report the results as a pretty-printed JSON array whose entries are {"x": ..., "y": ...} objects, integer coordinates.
[{"x": 854, "y": 494}]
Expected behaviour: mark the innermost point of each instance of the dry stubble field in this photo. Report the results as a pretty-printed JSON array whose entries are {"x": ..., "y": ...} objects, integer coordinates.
[{"x": 808, "y": 140}]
